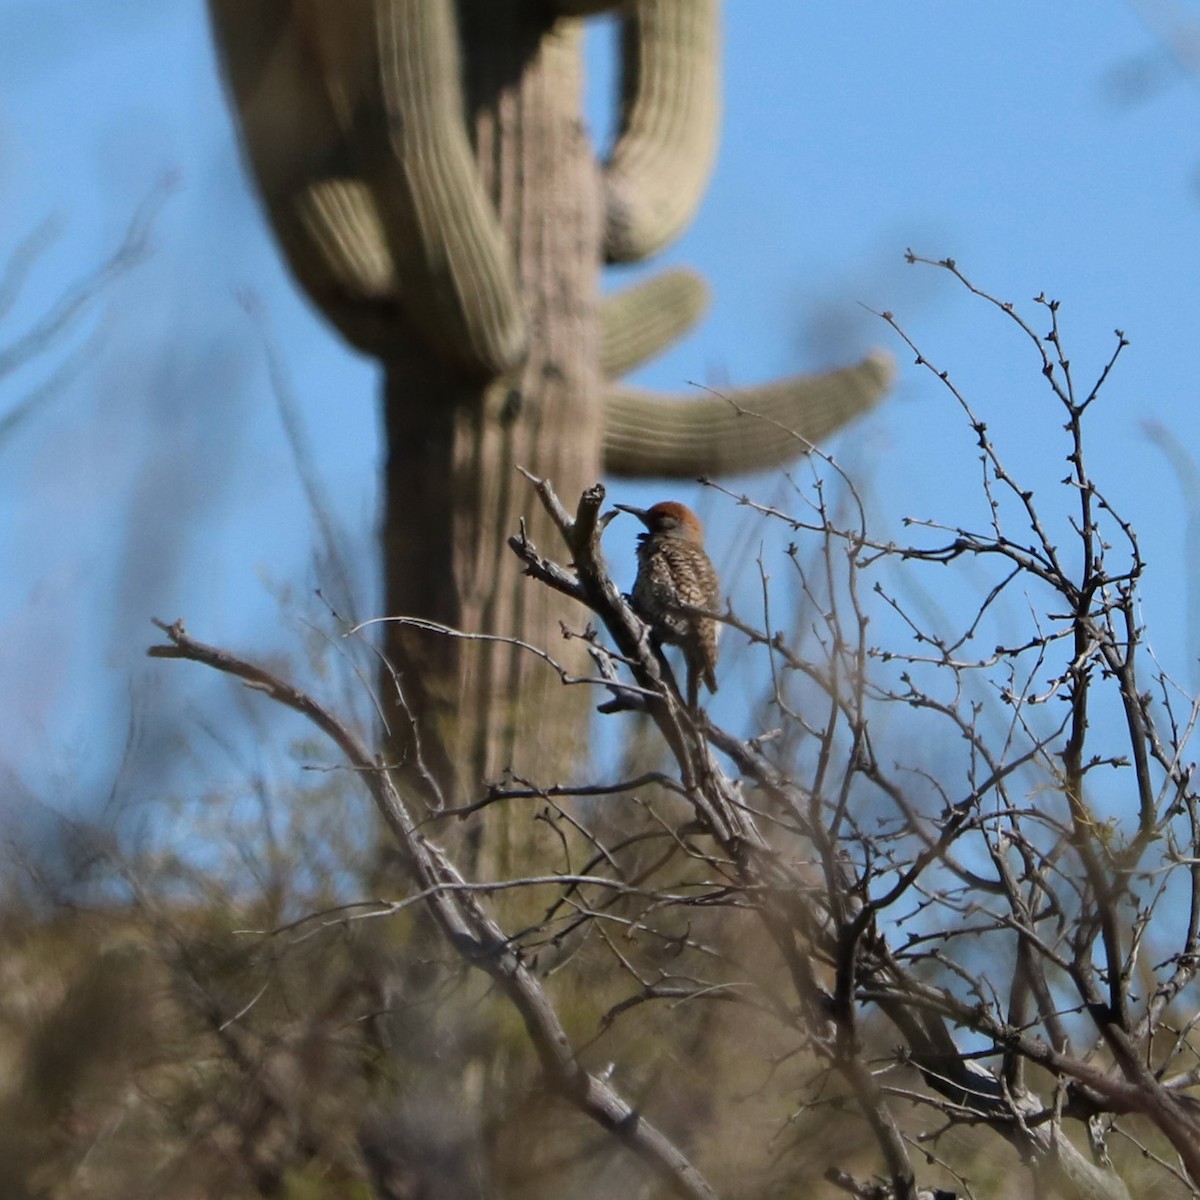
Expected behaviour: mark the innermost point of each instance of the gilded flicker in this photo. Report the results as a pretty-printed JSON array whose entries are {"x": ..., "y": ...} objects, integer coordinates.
[{"x": 674, "y": 579}]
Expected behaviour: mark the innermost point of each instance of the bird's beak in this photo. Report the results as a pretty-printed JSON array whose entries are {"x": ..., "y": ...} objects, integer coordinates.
[{"x": 640, "y": 513}]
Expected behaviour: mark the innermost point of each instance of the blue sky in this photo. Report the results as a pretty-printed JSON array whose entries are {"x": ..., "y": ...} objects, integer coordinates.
[{"x": 1045, "y": 148}]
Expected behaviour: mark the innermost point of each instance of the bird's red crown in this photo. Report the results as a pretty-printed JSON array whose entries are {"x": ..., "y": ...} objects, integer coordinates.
[{"x": 671, "y": 518}]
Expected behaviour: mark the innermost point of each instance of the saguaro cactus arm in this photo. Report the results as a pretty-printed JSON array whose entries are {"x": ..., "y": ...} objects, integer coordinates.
[
  {"x": 747, "y": 429},
  {"x": 285, "y": 76},
  {"x": 643, "y": 320},
  {"x": 353, "y": 120},
  {"x": 290, "y": 123},
  {"x": 459, "y": 283},
  {"x": 670, "y": 117}
]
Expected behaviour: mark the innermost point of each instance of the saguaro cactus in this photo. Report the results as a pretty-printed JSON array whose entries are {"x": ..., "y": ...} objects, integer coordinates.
[{"x": 425, "y": 167}]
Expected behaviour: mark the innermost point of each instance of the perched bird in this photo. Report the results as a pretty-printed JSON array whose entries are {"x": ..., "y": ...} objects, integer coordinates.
[{"x": 675, "y": 578}]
